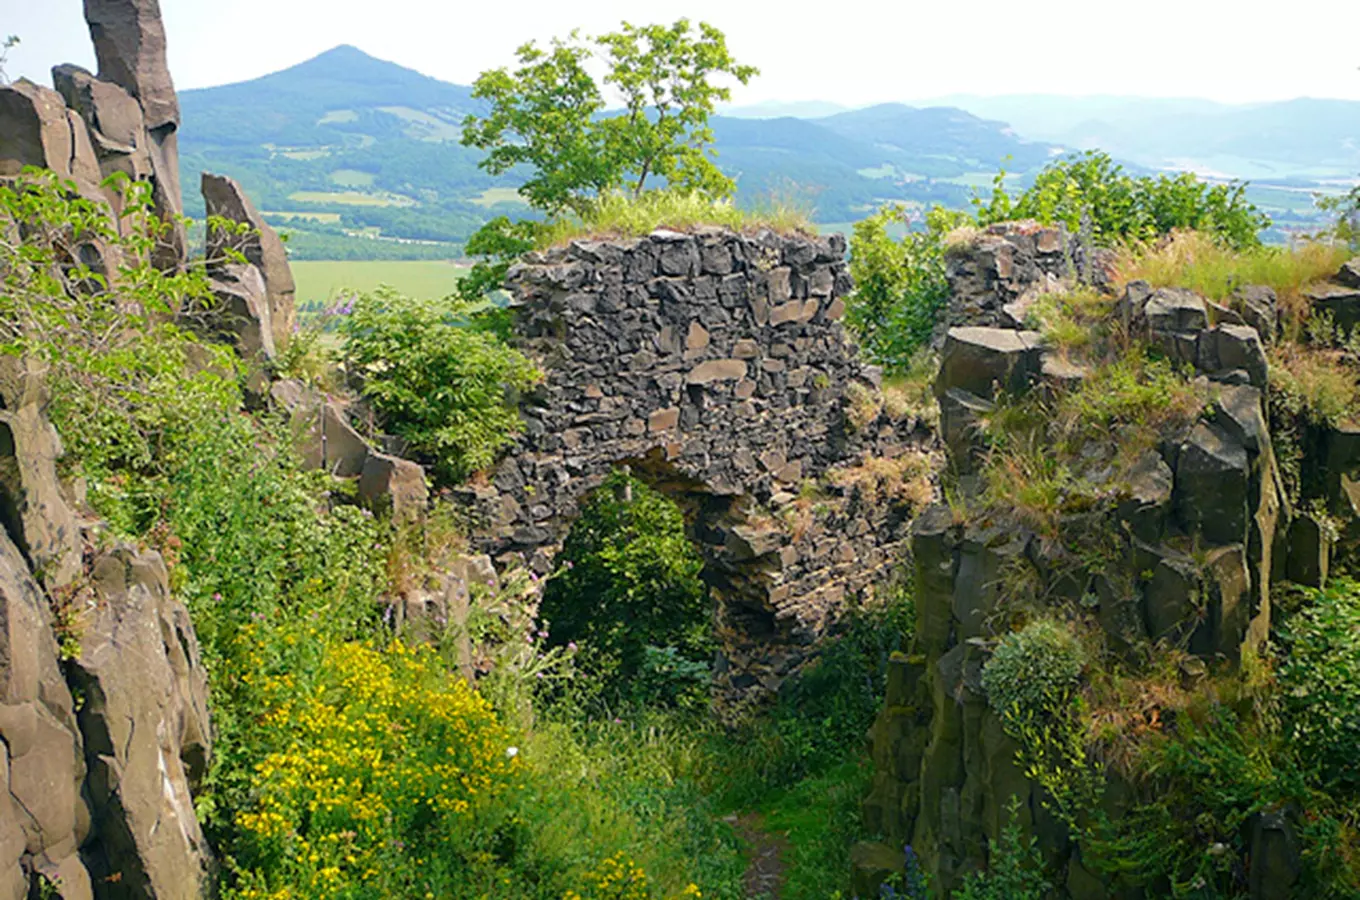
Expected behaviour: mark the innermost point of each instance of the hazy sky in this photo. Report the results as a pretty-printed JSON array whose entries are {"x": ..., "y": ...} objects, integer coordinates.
[{"x": 852, "y": 51}]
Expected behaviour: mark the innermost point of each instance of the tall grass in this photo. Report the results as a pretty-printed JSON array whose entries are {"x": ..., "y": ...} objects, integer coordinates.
[
  {"x": 622, "y": 216},
  {"x": 1193, "y": 260}
]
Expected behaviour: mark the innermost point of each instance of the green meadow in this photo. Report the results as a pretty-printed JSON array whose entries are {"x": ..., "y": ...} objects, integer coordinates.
[{"x": 319, "y": 281}]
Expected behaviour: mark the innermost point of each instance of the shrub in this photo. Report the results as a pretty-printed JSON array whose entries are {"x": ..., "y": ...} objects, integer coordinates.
[
  {"x": 1090, "y": 191},
  {"x": 1320, "y": 681},
  {"x": 449, "y": 389},
  {"x": 900, "y": 286},
  {"x": 1033, "y": 670},
  {"x": 380, "y": 774},
  {"x": 627, "y": 580},
  {"x": 1015, "y": 869}
]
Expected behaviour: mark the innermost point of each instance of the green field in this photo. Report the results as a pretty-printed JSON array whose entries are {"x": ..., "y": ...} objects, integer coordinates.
[
  {"x": 351, "y": 198},
  {"x": 328, "y": 218},
  {"x": 491, "y": 196},
  {"x": 321, "y": 281}
]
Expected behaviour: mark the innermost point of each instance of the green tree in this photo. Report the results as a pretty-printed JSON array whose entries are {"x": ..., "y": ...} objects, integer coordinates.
[{"x": 549, "y": 114}]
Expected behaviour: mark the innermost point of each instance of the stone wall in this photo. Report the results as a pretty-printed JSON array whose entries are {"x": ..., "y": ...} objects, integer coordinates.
[{"x": 716, "y": 366}]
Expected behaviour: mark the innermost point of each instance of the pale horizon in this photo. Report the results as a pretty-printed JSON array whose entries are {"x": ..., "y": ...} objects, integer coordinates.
[{"x": 1168, "y": 50}]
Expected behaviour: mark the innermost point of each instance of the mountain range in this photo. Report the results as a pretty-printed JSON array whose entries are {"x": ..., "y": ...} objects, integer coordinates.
[{"x": 359, "y": 157}]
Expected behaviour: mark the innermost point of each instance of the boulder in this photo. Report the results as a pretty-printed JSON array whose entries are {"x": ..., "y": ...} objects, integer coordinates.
[
  {"x": 395, "y": 485},
  {"x": 1146, "y": 499},
  {"x": 241, "y": 314},
  {"x": 1175, "y": 309},
  {"x": 146, "y": 729},
  {"x": 1226, "y": 348},
  {"x": 1212, "y": 476},
  {"x": 43, "y": 818},
  {"x": 224, "y": 197},
  {"x": 129, "y": 43},
  {"x": 983, "y": 361},
  {"x": 1173, "y": 599}
]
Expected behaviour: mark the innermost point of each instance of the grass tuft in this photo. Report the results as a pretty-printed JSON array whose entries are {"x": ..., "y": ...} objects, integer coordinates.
[{"x": 621, "y": 216}]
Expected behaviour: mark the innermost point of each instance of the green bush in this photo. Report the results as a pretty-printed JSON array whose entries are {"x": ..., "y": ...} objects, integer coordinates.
[
  {"x": 1090, "y": 190},
  {"x": 447, "y": 387},
  {"x": 627, "y": 587},
  {"x": 1033, "y": 670},
  {"x": 1320, "y": 678},
  {"x": 900, "y": 285},
  {"x": 1015, "y": 869}
]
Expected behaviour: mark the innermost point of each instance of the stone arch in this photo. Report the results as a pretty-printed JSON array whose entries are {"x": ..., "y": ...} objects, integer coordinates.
[{"x": 715, "y": 364}]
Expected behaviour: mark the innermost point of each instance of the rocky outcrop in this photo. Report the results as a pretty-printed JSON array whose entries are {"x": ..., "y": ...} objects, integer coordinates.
[
  {"x": 261, "y": 247},
  {"x": 715, "y": 365},
  {"x": 99, "y": 799},
  {"x": 129, "y": 43},
  {"x": 33, "y": 506},
  {"x": 329, "y": 442},
  {"x": 36, "y": 129},
  {"x": 1194, "y": 526},
  {"x": 44, "y": 820},
  {"x": 146, "y": 732}
]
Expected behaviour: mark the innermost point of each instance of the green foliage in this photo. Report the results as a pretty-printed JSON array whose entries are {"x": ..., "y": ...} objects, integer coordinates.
[
  {"x": 1015, "y": 868},
  {"x": 1033, "y": 668},
  {"x": 1320, "y": 682},
  {"x": 1090, "y": 191},
  {"x": 626, "y": 587},
  {"x": 448, "y": 389},
  {"x": 548, "y": 114},
  {"x": 900, "y": 286},
  {"x": 1345, "y": 208}
]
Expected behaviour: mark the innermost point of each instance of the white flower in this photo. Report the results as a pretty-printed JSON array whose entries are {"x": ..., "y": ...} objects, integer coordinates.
[{"x": 511, "y": 752}]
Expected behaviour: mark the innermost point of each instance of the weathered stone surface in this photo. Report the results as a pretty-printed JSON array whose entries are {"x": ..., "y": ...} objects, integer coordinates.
[
  {"x": 1230, "y": 347},
  {"x": 983, "y": 361},
  {"x": 147, "y": 732},
  {"x": 261, "y": 246},
  {"x": 961, "y": 416},
  {"x": 1175, "y": 309},
  {"x": 43, "y": 818},
  {"x": 1349, "y": 273},
  {"x": 33, "y": 507},
  {"x": 394, "y": 485},
  {"x": 1276, "y": 859},
  {"x": 1147, "y": 500},
  {"x": 36, "y": 129},
  {"x": 1341, "y": 302},
  {"x": 129, "y": 43},
  {"x": 241, "y": 315},
  {"x": 1309, "y": 552},
  {"x": 114, "y": 119},
  {"x": 717, "y": 370},
  {"x": 1259, "y": 308},
  {"x": 872, "y": 864},
  {"x": 1212, "y": 473},
  {"x": 327, "y": 440}
]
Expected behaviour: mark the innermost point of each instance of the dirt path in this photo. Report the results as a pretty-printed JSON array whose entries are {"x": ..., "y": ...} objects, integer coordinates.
[{"x": 765, "y": 851}]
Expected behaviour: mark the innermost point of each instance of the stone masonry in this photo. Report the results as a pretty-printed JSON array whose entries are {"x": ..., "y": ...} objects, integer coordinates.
[{"x": 715, "y": 365}]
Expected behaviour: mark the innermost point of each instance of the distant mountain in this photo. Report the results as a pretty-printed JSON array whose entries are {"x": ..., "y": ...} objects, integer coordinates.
[
  {"x": 775, "y": 109},
  {"x": 359, "y": 156},
  {"x": 1302, "y": 138}
]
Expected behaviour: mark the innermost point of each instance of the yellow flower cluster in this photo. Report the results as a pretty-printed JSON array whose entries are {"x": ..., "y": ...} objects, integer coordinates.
[
  {"x": 383, "y": 759},
  {"x": 620, "y": 878}
]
